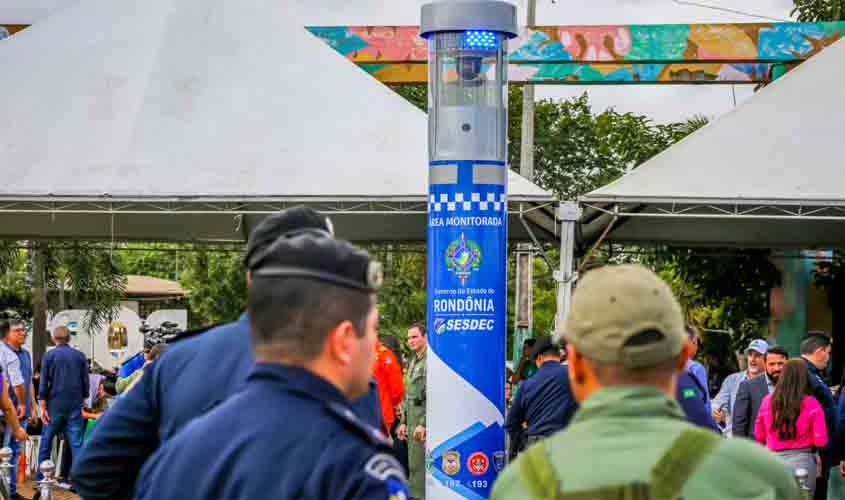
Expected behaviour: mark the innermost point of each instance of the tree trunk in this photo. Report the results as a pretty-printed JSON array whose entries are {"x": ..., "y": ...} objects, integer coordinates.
[{"x": 39, "y": 303}]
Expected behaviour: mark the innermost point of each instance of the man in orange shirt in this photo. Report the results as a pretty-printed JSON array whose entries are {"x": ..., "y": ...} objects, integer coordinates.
[{"x": 391, "y": 388}]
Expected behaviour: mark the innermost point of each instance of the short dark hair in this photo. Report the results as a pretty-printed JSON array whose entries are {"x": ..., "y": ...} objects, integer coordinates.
[
  {"x": 419, "y": 325},
  {"x": 4, "y": 328},
  {"x": 813, "y": 343},
  {"x": 776, "y": 349},
  {"x": 294, "y": 315}
]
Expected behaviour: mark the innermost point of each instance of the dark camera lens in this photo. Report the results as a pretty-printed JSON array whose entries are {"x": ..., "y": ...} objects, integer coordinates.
[{"x": 469, "y": 67}]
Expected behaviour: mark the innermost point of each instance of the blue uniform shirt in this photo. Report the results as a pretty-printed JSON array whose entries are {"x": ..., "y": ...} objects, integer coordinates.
[
  {"x": 690, "y": 395},
  {"x": 187, "y": 380},
  {"x": 544, "y": 401},
  {"x": 247, "y": 448},
  {"x": 17, "y": 366},
  {"x": 64, "y": 380}
]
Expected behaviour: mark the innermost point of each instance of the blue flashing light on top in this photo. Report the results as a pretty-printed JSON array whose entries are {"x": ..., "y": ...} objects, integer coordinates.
[{"x": 474, "y": 39}]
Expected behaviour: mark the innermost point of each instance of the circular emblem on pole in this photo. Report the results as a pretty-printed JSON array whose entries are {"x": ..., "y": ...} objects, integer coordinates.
[
  {"x": 463, "y": 256},
  {"x": 478, "y": 463}
]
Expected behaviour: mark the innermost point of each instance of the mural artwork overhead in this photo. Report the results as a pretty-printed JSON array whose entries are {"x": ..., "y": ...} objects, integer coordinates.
[{"x": 633, "y": 54}]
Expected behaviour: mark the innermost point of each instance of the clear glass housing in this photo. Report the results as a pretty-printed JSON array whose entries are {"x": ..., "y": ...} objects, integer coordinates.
[{"x": 467, "y": 102}]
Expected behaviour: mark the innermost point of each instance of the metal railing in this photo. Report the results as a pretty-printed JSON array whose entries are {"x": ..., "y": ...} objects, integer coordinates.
[{"x": 45, "y": 486}]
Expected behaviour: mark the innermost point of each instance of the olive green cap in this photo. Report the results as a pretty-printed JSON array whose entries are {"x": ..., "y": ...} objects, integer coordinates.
[{"x": 625, "y": 315}]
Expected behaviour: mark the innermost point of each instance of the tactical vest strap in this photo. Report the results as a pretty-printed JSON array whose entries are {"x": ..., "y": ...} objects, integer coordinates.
[
  {"x": 668, "y": 476},
  {"x": 675, "y": 467},
  {"x": 538, "y": 473}
]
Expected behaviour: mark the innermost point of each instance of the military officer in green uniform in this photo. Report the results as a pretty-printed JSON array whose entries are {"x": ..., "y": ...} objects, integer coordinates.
[
  {"x": 413, "y": 411},
  {"x": 630, "y": 439}
]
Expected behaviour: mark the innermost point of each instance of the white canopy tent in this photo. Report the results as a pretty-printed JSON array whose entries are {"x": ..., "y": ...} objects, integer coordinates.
[
  {"x": 190, "y": 120},
  {"x": 768, "y": 174}
]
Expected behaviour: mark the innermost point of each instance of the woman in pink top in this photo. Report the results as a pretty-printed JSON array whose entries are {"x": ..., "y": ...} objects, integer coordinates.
[{"x": 791, "y": 423}]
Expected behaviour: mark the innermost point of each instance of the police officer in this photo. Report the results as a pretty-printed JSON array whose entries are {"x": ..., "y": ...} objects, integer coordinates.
[
  {"x": 412, "y": 427},
  {"x": 544, "y": 402},
  {"x": 291, "y": 432},
  {"x": 189, "y": 379},
  {"x": 629, "y": 438}
]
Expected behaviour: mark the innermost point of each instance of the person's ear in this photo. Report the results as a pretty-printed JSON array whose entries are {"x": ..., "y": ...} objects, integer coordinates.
[
  {"x": 340, "y": 342},
  {"x": 684, "y": 356},
  {"x": 577, "y": 368}
]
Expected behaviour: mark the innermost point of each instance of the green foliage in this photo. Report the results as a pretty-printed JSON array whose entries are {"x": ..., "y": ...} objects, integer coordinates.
[
  {"x": 577, "y": 151},
  {"x": 723, "y": 291},
  {"x": 88, "y": 271},
  {"x": 216, "y": 284},
  {"x": 416, "y": 94},
  {"x": 15, "y": 292},
  {"x": 818, "y": 10},
  {"x": 401, "y": 299},
  {"x": 162, "y": 260}
]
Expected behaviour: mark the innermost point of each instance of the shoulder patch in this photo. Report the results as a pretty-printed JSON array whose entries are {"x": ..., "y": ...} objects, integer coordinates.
[
  {"x": 383, "y": 467},
  {"x": 371, "y": 434},
  {"x": 397, "y": 490}
]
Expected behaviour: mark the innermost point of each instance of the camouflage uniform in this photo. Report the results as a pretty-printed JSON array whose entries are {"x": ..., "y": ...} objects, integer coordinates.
[{"x": 413, "y": 414}]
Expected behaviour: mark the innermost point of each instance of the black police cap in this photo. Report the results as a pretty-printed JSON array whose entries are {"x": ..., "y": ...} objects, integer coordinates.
[
  {"x": 289, "y": 220},
  {"x": 313, "y": 255}
]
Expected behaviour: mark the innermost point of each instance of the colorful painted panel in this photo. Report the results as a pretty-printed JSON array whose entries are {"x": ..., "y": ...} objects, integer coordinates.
[
  {"x": 636, "y": 54},
  {"x": 7, "y": 30},
  {"x": 662, "y": 43},
  {"x": 615, "y": 74}
]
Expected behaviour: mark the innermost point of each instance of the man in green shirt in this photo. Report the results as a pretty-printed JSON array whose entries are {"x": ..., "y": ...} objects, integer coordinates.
[
  {"x": 412, "y": 427},
  {"x": 630, "y": 439}
]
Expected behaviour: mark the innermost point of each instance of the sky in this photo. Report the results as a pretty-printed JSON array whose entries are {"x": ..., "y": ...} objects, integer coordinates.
[{"x": 661, "y": 103}]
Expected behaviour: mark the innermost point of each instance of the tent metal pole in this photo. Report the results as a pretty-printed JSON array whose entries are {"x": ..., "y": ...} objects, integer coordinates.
[{"x": 568, "y": 214}]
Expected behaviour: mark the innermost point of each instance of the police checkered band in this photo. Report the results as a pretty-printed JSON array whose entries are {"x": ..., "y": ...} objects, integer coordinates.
[{"x": 457, "y": 202}]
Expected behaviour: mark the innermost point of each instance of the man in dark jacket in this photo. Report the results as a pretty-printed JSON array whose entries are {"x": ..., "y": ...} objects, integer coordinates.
[
  {"x": 815, "y": 351},
  {"x": 190, "y": 379},
  {"x": 63, "y": 388},
  {"x": 752, "y": 391},
  {"x": 544, "y": 402}
]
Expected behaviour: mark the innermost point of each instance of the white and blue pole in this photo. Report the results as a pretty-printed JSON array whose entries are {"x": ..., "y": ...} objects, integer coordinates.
[{"x": 467, "y": 245}]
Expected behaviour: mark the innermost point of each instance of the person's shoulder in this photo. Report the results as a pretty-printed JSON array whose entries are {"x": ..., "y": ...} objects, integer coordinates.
[
  {"x": 362, "y": 453},
  {"x": 353, "y": 427},
  {"x": 219, "y": 339},
  {"x": 750, "y": 456},
  {"x": 754, "y": 459},
  {"x": 810, "y": 403},
  {"x": 510, "y": 483}
]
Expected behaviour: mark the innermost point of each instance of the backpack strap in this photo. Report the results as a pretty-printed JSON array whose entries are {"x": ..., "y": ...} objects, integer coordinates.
[
  {"x": 679, "y": 462},
  {"x": 538, "y": 474},
  {"x": 668, "y": 477}
]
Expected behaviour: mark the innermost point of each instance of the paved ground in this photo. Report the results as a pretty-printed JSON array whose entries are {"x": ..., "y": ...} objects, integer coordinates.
[{"x": 27, "y": 490}]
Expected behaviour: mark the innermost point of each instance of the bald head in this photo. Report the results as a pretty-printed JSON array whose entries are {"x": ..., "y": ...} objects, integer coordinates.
[{"x": 61, "y": 335}]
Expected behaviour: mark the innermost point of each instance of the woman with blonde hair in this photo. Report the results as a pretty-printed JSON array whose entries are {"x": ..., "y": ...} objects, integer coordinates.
[{"x": 791, "y": 422}]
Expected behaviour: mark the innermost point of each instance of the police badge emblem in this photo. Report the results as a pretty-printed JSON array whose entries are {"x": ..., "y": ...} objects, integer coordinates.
[
  {"x": 451, "y": 462},
  {"x": 499, "y": 460}
]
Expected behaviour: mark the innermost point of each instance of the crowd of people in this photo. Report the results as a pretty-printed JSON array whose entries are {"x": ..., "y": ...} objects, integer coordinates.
[{"x": 301, "y": 398}]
